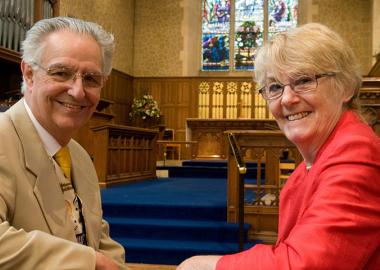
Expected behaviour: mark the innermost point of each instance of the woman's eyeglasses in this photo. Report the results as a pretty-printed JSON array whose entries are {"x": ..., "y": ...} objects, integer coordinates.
[{"x": 302, "y": 84}]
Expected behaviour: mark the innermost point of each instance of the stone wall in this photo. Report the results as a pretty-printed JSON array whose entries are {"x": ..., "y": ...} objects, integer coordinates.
[
  {"x": 376, "y": 30},
  {"x": 353, "y": 20},
  {"x": 158, "y": 38},
  {"x": 116, "y": 16}
]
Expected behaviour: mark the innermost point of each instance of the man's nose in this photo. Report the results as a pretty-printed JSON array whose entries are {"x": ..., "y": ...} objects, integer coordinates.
[{"x": 77, "y": 88}]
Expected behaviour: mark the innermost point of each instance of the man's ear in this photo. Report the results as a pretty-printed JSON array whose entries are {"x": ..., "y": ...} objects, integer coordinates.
[{"x": 27, "y": 73}]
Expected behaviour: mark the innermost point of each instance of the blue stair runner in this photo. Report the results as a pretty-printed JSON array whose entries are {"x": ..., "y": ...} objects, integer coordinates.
[{"x": 165, "y": 221}]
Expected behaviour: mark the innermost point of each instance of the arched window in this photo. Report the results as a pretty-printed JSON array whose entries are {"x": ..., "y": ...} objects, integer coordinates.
[{"x": 232, "y": 30}]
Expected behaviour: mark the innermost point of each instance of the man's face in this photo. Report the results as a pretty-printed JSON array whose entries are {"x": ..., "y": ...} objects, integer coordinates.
[{"x": 62, "y": 107}]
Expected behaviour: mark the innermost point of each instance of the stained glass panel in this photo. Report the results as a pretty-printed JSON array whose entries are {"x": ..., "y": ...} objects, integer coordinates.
[
  {"x": 247, "y": 29},
  {"x": 249, "y": 25},
  {"x": 283, "y": 14},
  {"x": 215, "y": 34}
]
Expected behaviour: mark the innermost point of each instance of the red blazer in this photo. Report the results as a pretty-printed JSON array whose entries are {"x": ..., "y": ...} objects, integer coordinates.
[{"x": 330, "y": 215}]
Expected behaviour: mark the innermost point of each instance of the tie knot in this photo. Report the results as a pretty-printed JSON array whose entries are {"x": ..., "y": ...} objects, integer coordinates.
[{"x": 64, "y": 161}]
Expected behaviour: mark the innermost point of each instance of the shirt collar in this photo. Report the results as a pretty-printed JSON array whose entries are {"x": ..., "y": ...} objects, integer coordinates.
[{"x": 51, "y": 145}]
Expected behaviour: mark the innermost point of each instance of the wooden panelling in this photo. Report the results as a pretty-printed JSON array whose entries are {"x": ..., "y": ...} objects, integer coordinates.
[
  {"x": 119, "y": 89},
  {"x": 174, "y": 98},
  {"x": 10, "y": 75},
  {"x": 370, "y": 100},
  {"x": 177, "y": 99}
]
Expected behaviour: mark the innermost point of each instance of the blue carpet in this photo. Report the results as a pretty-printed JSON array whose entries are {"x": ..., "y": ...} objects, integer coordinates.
[
  {"x": 209, "y": 169},
  {"x": 167, "y": 221}
]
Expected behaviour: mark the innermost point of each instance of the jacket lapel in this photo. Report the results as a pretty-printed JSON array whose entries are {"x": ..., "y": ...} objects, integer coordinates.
[{"x": 46, "y": 189}]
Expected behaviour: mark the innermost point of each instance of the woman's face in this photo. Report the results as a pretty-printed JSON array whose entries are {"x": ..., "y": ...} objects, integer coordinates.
[{"x": 307, "y": 119}]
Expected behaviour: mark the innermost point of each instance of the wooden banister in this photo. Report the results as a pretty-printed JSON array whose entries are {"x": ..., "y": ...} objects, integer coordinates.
[{"x": 266, "y": 149}]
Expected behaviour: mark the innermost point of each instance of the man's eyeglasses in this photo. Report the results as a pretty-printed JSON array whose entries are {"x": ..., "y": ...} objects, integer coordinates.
[
  {"x": 302, "y": 84},
  {"x": 62, "y": 74}
]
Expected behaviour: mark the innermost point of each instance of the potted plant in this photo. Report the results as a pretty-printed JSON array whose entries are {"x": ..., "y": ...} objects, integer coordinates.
[{"x": 145, "y": 111}]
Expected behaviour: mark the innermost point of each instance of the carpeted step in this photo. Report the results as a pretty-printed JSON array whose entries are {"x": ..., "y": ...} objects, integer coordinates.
[
  {"x": 166, "y": 221},
  {"x": 208, "y": 169},
  {"x": 202, "y": 172},
  {"x": 174, "y": 229},
  {"x": 172, "y": 252},
  {"x": 214, "y": 163},
  {"x": 182, "y": 210},
  {"x": 205, "y": 172}
]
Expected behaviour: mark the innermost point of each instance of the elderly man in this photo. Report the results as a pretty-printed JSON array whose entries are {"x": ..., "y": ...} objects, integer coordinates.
[{"x": 50, "y": 207}]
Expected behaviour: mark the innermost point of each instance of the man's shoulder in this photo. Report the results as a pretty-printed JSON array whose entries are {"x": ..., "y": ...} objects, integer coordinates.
[
  {"x": 74, "y": 145},
  {"x": 78, "y": 150},
  {"x": 6, "y": 124}
]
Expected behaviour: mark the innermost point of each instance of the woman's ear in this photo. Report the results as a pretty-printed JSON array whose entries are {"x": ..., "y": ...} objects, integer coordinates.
[
  {"x": 348, "y": 95},
  {"x": 27, "y": 73}
]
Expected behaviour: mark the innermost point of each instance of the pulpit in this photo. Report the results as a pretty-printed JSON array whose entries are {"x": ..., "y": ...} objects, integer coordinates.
[
  {"x": 124, "y": 153},
  {"x": 209, "y": 133}
]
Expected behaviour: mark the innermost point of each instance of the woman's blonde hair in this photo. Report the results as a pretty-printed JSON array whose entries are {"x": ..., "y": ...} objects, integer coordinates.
[{"x": 311, "y": 49}]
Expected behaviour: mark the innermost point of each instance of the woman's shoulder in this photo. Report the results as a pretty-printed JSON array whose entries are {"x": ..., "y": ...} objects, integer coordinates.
[
  {"x": 352, "y": 140},
  {"x": 353, "y": 129}
]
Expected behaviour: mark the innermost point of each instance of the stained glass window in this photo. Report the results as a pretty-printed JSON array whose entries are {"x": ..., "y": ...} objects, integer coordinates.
[
  {"x": 215, "y": 34},
  {"x": 282, "y": 15},
  {"x": 248, "y": 23}
]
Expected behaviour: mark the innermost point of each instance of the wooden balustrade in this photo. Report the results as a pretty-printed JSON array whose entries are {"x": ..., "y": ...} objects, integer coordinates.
[
  {"x": 267, "y": 149},
  {"x": 124, "y": 153}
]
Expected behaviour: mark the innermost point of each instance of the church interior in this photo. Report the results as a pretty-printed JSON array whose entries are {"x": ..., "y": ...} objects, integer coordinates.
[{"x": 202, "y": 116}]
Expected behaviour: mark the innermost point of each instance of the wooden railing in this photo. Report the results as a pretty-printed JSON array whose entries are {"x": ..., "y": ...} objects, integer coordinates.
[
  {"x": 268, "y": 149},
  {"x": 124, "y": 153}
]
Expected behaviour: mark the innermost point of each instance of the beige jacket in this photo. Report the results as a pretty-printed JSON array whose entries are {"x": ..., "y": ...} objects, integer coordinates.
[{"x": 34, "y": 230}]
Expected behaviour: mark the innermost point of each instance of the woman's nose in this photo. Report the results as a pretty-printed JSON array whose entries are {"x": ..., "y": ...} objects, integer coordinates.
[{"x": 289, "y": 96}]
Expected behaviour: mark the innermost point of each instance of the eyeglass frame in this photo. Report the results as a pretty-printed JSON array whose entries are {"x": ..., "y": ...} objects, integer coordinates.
[
  {"x": 73, "y": 76},
  {"x": 291, "y": 84}
]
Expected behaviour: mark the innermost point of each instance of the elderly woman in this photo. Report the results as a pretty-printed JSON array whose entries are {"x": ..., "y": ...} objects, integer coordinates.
[{"x": 330, "y": 207}]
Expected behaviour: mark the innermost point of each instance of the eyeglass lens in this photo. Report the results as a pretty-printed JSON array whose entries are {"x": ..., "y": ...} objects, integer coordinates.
[
  {"x": 301, "y": 84},
  {"x": 64, "y": 74}
]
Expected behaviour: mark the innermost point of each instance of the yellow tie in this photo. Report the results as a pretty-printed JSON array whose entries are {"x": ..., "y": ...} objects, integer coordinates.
[{"x": 64, "y": 161}]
